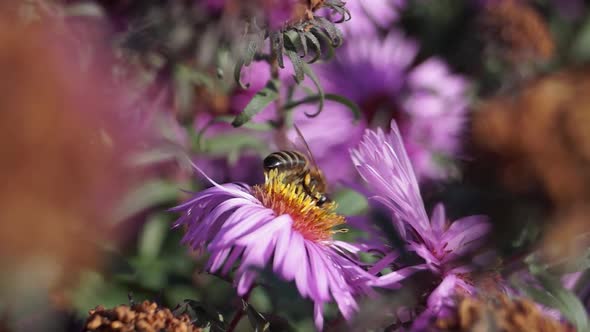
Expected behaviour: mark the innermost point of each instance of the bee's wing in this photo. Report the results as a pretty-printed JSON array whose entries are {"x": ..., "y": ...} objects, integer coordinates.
[{"x": 305, "y": 146}]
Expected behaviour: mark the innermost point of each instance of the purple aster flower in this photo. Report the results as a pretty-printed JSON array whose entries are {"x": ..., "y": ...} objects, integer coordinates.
[
  {"x": 437, "y": 103},
  {"x": 275, "y": 225},
  {"x": 384, "y": 164},
  {"x": 428, "y": 101},
  {"x": 367, "y": 16}
]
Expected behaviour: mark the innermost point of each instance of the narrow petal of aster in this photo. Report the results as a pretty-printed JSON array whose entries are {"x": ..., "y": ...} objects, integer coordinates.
[
  {"x": 439, "y": 298},
  {"x": 383, "y": 163},
  {"x": 392, "y": 280},
  {"x": 277, "y": 225}
]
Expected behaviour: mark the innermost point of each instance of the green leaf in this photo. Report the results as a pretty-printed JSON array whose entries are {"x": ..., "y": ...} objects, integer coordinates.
[
  {"x": 261, "y": 99},
  {"x": 334, "y": 33},
  {"x": 295, "y": 42},
  {"x": 338, "y": 6},
  {"x": 350, "y": 202},
  {"x": 266, "y": 126},
  {"x": 315, "y": 43},
  {"x": 292, "y": 47},
  {"x": 571, "y": 264},
  {"x": 554, "y": 295},
  {"x": 564, "y": 264},
  {"x": 351, "y": 105},
  {"x": 184, "y": 91},
  {"x": 309, "y": 73},
  {"x": 317, "y": 32},
  {"x": 254, "y": 42},
  {"x": 567, "y": 302},
  {"x": 580, "y": 50},
  {"x": 223, "y": 145},
  {"x": 297, "y": 63},
  {"x": 301, "y": 36},
  {"x": 152, "y": 236},
  {"x": 149, "y": 194},
  {"x": 152, "y": 157}
]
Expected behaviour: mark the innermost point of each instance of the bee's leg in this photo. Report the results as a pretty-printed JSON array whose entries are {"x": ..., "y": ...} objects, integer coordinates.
[{"x": 306, "y": 184}]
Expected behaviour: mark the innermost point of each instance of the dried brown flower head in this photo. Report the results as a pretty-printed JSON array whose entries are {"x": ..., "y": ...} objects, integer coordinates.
[
  {"x": 500, "y": 314},
  {"x": 144, "y": 317},
  {"x": 539, "y": 141},
  {"x": 541, "y": 136},
  {"x": 516, "y": 31}
]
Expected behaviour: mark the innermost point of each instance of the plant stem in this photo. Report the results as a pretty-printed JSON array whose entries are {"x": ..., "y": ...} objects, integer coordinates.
[
  {"x": 281, "y": 122},
  {"x": 237, "y": 318},
  {"x": 239, "y": 314}
]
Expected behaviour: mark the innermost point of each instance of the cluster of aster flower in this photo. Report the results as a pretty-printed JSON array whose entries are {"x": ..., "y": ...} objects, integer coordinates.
[
  {"x": 279, "y": 224},
  {"x": 412, "y": 113},
  {"x": 364, "y": 131},
  {"x": 376, "y": 68}
]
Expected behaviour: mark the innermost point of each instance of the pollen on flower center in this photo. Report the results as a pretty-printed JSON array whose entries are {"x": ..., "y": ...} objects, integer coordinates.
[{"x": 285, "y": 197}]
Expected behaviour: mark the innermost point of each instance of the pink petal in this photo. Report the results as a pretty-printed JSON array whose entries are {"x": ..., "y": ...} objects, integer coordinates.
[
  {"x": 391, "y": 280},
  {"x": 265, "y": 231},
  {"x": 228, "y": 237},
  {"x": 318, "y": 276},
  {"x": 299, "y": 263},
  {"x": 383, "y": 163},
  {"x": 233, "y": 257},
  {"x": 228, "y": 189},
  {"x": 466, "y": 234},
  {"x": 438, "y": 220},
  {"x": 217, "y": 259},
  {"x": 245, "y": 282},
  {"x": 257, "y": 254},
  {"x": 318, "y": 316},
  {"x": 282, "y": 253},
  {"x": 384, "y": 262},
  {"x": 442, "y": 294}
]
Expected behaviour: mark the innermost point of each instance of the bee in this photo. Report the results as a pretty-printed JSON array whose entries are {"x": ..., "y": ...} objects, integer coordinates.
[{"x": 300, "y": 170}]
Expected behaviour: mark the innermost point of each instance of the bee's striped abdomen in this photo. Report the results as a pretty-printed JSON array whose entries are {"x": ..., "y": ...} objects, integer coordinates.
[{"x": 285, "y": 160}]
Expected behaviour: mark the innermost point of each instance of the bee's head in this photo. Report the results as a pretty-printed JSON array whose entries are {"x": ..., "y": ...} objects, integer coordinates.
[{"x": 323, "y": 199}]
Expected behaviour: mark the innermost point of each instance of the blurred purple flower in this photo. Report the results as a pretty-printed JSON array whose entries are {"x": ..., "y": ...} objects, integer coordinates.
[
  {"x": 214, "y": 4},
  {"x": 428, "y": 101},
  {"x": 437, "y": 103},
  {"x": 368, "y": 16},
  {"x": 384, "y": 164},
  {"x": 330, "y": 136},
  {"x": 278, "y": 225}
]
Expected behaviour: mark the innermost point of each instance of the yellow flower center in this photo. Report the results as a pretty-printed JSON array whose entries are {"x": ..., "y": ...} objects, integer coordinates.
[{"x": 285, "y": 197}]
